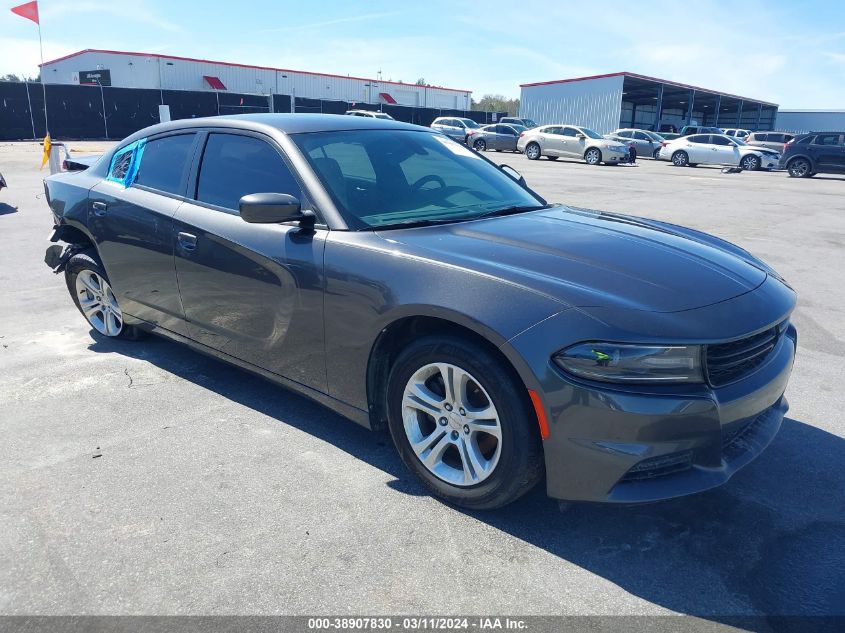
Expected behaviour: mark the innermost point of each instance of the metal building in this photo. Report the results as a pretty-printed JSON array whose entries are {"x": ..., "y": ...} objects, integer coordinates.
[
  {"x": 800, "y": 121},
  {"x": 167, "y": 72},
  {"x": 607, "y": 102}
]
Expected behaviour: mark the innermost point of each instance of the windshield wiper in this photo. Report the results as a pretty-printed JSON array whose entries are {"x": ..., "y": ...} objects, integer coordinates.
[
  {"x": 511, "y": 210},
  {"x": 409, "y": 224}
]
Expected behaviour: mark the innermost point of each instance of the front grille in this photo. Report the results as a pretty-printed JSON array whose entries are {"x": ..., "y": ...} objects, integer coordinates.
[
  {"x": 659, "y": 466},
  {"x": 727, "y": 362}
]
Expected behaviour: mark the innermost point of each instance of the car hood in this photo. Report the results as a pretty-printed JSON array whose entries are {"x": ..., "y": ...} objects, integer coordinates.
[{"x": 587, "y": 258}]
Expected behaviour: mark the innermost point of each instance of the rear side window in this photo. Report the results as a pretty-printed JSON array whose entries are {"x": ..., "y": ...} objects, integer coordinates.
[
  {"x": 697, "y": 139},
  {"x": 163, "y": 163},
  {"x": 234, "y": 166}
]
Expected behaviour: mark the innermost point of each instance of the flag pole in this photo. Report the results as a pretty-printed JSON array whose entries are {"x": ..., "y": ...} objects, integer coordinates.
[{"x": 41, "y": 77}]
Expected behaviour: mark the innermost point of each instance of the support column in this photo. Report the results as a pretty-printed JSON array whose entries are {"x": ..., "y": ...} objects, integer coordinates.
[
  {"x": 659, "y": 112},
  {"x": 718, "y": 110},
  {"x": 759, "y": 115},
  {"x": 690, "y": 106},
  {"x": 739, "y": 114}
]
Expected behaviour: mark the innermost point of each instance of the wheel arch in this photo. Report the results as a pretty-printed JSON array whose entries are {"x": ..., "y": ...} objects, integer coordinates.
[
  {"x": 392, "y": 338},
  {"x": 806, "y": 157}
]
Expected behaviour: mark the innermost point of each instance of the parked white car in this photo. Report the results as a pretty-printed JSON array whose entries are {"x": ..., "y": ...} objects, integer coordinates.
[
  {"x": 369, "y": 113},
  {"x": 571, "y": 141},
  {"x": 717, "y": 149},
  {"x": 736, "y": 132}
]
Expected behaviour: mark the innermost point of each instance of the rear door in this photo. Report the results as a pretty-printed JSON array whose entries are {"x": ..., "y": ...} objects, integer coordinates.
[
  {"x": 551, "y": 140},
  {"x": 252, "y": 291},
  {"x": 698, "y": 148},
  {"x": 133, "y": 227},
  {"x": 829, "y": 151}
]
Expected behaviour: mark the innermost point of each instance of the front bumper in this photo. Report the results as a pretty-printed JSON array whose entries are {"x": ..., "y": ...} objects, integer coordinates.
[
  {"x": 770, "y": 161},
  {"x": 632, "y": 444},
  {"x": 613, "y": 156}
]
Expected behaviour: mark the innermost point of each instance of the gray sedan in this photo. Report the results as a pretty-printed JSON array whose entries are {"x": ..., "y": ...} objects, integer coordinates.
[
  {"x": 646, "y": 143},
  {"x": 498, "y": 137},
  {"x": 408, "y": 283}
]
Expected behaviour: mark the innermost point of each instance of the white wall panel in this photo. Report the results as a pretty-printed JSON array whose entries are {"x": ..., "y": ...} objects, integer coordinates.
[{"x": 593, "y": 103}]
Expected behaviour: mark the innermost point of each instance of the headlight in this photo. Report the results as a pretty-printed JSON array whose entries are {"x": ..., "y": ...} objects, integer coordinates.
[{"x": 620, "y": 362}]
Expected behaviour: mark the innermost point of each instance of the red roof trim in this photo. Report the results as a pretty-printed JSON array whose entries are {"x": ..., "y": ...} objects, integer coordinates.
[
  {"x": 214, "y": 82},
  {"x": 388, "y": 98},
  {"x": 234, "y": 65},
  {"x": 646, "y": 78}
]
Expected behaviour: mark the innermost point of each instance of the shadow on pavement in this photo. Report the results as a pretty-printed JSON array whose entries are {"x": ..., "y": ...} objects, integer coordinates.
[
  {"x": 6, "y": 209},
  {"x": 771, "y": 541}
]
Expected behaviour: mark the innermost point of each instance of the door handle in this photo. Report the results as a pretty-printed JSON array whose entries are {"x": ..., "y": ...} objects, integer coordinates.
[
  {"x": 187, "y": 241},
  {"x": 99, "y": 208}
]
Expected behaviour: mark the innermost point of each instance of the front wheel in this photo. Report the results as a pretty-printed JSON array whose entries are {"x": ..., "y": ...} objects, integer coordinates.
[
  {"x": 480, "y": 145},
  {"x": 463, "y": 424},
  {"x": 799, "y": 168},
  {"x": 532, "y": 151},
  {"x": 656, "y": 154},
  {"x": 592, "y": 156},
  {"x": 93, "y": 295},
  {"x": 750, "y": 163}
]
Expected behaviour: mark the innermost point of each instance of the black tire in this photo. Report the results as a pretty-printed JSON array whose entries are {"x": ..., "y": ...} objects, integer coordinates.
[
  {"x": 533, "y": 151},
  {"x": 520, "y": 463},
  {"x": 592, "y": 156},
  {"x": 480, "y": 145},
  {"x": 750, "y": 163},
  {"x": 680, "y": 159},
  {"x": 799, "y": 168},
  {"x": 552, "y": 157},
  {"x": 88, "y": 260},
  {"x": 656, "y": 154}
]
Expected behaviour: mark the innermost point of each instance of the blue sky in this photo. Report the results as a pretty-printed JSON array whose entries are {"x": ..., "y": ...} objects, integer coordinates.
[{"x": 791, "y": 53}]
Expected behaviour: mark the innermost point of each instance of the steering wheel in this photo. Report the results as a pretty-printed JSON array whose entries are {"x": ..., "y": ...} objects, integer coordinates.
[{"x": 426, "y": 179}]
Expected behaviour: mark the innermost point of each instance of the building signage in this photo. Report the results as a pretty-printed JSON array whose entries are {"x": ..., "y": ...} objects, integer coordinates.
[{"x": 95, "y": 77}]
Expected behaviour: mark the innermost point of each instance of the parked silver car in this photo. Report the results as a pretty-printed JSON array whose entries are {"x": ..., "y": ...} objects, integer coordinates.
[
  {"x": 498, "y": 137},
  {"x": 646, "y": 143},
  {"x": 512, "y": 120},
  {"x": 370, "y": 114},
  {"x": 571, "y": 141},
  {"x": 457, "y": 128},
  {"x": 769, "y": 140}
]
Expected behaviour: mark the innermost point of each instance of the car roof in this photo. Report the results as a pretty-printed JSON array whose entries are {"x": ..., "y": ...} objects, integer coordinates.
[{"x": 285, "y": 123}]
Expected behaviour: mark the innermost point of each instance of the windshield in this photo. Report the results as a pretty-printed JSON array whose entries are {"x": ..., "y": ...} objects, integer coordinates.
[
  {"x": 382, "y": 115},
  {"x": 529, "y": 122},
  {"x": 588, "y": 132},
  {"x": 388, "y": 178},
  {"x": 517, "y": 127},
  {"x": 654, "y": 136},
  {"x": 469, "y": 123},
  {"x": 738, "y": 141}
]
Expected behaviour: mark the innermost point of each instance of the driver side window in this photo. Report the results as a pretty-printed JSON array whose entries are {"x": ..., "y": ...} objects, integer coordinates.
[{"x": 570, "y": 131}]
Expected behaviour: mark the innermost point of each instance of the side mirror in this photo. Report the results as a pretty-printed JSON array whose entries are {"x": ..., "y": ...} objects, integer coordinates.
[
  {"x": 510, "y": 171},
  {"x": 273, "y": 208},
  {"x": 581, "y": 137}
]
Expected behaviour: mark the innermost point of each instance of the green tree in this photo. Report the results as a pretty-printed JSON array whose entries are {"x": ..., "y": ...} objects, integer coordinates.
[{"x": 496, "y": 103}]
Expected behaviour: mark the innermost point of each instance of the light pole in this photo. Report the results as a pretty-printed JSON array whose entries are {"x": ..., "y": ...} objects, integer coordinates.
[{"x": 103, "y": 99}]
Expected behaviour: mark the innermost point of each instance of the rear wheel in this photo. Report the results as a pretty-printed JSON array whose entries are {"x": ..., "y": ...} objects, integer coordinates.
[
  {"x": 93, "y": 295},
  {"x": 532, "y": 151},
  {"x": 680, "y": 159},
  {"x": 592, "y": 156},
  {"x": 480, "y": 145},
  {"x": 462, "y": 423},
  {"x": 799, "y": 168},
  {"x": 750, "y": 163}
]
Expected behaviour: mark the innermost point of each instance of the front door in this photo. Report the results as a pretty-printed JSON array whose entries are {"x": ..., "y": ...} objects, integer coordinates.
[
  {"x": 572, "y": 146},
  {"x": 724, "y": 150},
  {"x": 252, "y": 291},
  {"x": 133, "y": 227}
]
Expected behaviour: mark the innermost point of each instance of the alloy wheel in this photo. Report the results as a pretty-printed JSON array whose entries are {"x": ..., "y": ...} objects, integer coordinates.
[
  {"x": 750, "y": 163},
  {"x": 532, "y": 151},
  {"x": 480, "y": 145},
  {"x": 98, "y": 303},
  {"x": 593, "y": 156},
  {"x": 799, "y": 168},
  {"x": 451, "y": 423},
  {"x": 680, "y": 159}
]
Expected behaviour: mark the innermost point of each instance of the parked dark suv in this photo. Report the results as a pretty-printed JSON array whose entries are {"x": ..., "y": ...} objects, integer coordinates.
[{"x": 814, "y": 153}]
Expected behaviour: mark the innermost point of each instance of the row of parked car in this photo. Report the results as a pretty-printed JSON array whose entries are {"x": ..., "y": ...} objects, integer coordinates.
[{"x": 801, "y": 155}]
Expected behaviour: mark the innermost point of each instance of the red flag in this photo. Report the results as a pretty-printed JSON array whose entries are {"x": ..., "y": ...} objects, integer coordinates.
[{"x": 28, "y": 10}]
